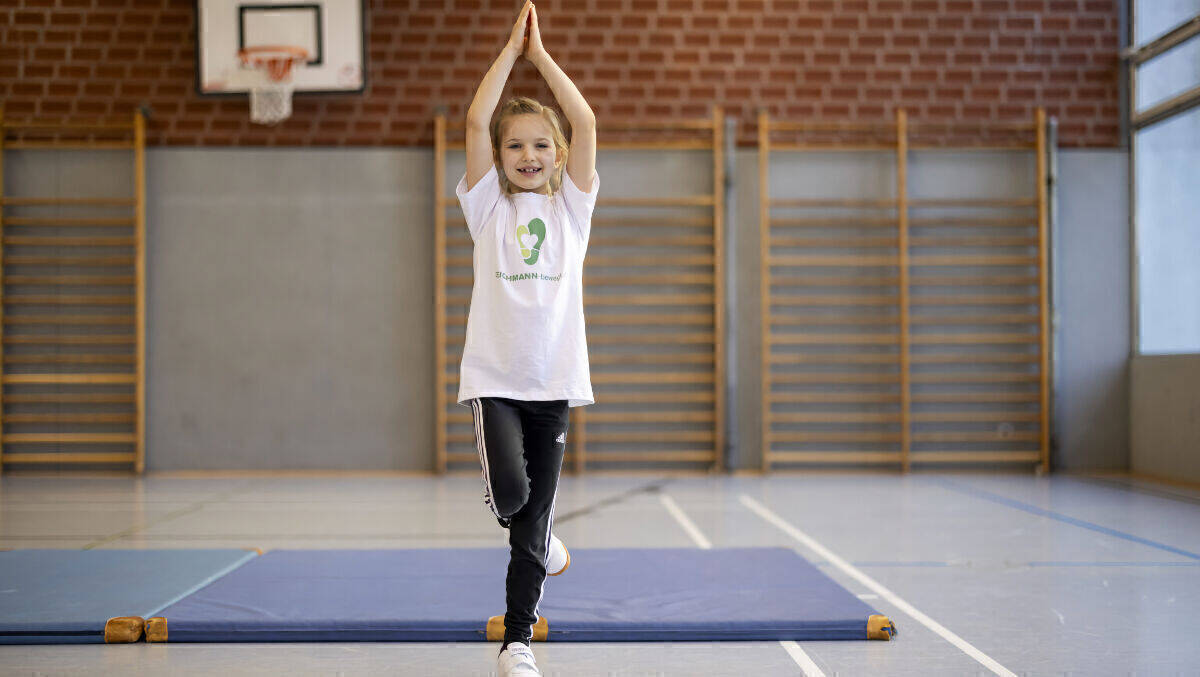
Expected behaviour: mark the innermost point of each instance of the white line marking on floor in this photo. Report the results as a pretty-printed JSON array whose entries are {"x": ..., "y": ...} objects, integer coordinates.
[
  {"x": 807, "y": 666},
  {"x": 868, "y": 596},
  {"x": 985, "y": 660},
  {"x": 687, "y": 524}
]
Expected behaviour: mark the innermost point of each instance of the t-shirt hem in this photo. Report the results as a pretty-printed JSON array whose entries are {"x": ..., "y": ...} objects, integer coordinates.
[{"x": 573, "y": 399}]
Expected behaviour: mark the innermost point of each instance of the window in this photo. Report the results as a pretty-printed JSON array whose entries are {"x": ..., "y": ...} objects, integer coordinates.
[
  {"x": 1155, "y": 17},
  {"x": 1171, "y": 74},
  {"x": 1165, "y": 123},
  {"x": 1167, "y": 187}
]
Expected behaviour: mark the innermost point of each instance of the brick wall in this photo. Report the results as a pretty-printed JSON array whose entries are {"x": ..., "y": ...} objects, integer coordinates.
[{"x": 801, "y": 59}]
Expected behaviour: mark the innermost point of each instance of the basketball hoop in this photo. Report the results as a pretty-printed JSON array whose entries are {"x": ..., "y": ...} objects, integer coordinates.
[{"x": 271, "y": 93}]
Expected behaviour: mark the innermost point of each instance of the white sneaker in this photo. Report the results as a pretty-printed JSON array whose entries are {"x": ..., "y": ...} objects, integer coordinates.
[
  {"x": 517, "y": 661},
  {"x": 559, "y": 558}
]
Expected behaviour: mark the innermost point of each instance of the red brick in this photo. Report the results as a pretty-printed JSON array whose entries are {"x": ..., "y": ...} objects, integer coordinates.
[
  {"x": 29, "y": 19},
  {"x": 1012, "y": 112},
  {"x": 66, "y": 19},
  {"x": 838, "y": 40},
  {"x": 664, "y": 22},
  {"x": 20, "y": 107},
  {"x": 54, "y": 107},
  {"x": 830, "y": 59},
  {"x": 74, "y": 72},
  {"x": 93, "y": 108},
  {"x": 870, "y": 40},
  {"x": 49, "y": 54},
  {"x": 100, "y": 18},
  {"x": 63, "y": 89},
  {"x": 1056, "y": 23},
  {"x": 41, "y": 71},
  {"x": 29, "y": 88},
  {"x": 741, "y": 23},
  {"x": 958, "y": 75}
]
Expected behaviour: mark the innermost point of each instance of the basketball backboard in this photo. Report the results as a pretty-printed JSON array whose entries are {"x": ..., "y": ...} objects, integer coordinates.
[{"x": 331, "y": 31}]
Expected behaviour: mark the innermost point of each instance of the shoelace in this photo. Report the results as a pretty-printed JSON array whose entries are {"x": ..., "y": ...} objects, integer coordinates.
[{"x": 525, "y": 654}]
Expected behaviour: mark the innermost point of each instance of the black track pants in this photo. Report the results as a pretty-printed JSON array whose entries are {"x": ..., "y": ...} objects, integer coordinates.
[{"x": 521, "y": 446}]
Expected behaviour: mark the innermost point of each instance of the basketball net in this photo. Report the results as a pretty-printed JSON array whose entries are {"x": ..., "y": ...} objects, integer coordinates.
[{"x": 271, "y": 92}]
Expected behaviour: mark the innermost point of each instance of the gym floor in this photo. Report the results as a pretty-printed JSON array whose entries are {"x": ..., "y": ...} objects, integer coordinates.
[{"x": 982, "y": 574}]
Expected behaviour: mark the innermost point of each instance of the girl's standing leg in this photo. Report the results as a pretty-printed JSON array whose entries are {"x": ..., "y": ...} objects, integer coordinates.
[
  {"x": 545, "y": 427},
  {"x": 521, "y": 446}
]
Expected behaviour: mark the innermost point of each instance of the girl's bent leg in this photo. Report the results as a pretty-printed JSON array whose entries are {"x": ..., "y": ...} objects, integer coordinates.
[{"x": 500, "y": 442}]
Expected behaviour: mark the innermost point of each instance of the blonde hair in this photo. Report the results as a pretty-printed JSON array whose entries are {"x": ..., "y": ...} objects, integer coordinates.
[{"x": 522, "y": 105}]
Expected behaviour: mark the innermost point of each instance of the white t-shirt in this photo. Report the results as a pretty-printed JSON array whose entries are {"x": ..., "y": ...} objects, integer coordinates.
[{"x": 525, "y": 333}]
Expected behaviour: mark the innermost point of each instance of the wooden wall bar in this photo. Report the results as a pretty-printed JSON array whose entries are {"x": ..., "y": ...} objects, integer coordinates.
[
  {"x": 831, "y": 345},
  {"x": 653, "y": 287},
  {"x": 72, "y": 309},
  {"x": 901, "y": 329}
]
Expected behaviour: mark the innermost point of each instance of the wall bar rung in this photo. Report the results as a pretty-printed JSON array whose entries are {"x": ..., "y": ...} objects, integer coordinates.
[
  {"x": 67, "y": 201},
  {"x": 72, "y": 458},
  {"x": 70, "y": 145}
]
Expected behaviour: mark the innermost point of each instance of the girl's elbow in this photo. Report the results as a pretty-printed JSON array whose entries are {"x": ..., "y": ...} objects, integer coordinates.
[
  {"x": 478, "y": 123},
  {"x": 584, "y": 120}
]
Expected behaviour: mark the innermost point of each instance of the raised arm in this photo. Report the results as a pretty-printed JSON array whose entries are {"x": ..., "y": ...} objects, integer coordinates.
[
  {"x": 479, "y": 115},
  {"x": 581, "y": 160}
]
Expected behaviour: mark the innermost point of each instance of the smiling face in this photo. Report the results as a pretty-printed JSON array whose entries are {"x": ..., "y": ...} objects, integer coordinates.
[{"x": 528, "y": 154}]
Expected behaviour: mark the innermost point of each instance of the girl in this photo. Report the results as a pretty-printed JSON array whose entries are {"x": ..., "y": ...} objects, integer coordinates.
[{"x": 525, "y": 358}]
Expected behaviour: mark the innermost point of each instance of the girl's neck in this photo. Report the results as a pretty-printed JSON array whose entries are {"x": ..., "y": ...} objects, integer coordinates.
[{"x": 544, "y": 190}]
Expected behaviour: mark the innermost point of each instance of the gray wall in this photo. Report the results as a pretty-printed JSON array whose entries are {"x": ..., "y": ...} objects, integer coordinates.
[
  {"x": 289, "y": 304},
  {"x": 291, "y": 297},
  {"x": 1092, "y": 316},
  {"x": 1165, "y": 416}
]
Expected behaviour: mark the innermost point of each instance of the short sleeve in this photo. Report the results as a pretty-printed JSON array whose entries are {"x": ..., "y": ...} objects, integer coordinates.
[
  {"x": 580, "y": 204},
  {"x": 479, "y": 203}
]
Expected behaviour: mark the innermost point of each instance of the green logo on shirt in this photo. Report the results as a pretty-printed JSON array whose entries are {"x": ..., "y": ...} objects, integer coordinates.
[{"x": 530, "y": 238}]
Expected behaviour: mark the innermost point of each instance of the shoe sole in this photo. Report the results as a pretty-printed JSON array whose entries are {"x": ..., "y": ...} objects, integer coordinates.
[{"x": 565, "y": 566}]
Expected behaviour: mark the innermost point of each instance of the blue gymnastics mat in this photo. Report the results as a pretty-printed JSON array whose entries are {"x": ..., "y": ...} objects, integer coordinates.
[
  {"x": 449, "y": 595},
  {"x": 69, "y": 596}
]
